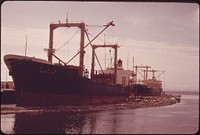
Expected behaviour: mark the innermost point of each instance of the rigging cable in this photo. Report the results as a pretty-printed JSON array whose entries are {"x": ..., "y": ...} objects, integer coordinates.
[
  {"x": 140, "y": 73},
  {"x": 113, "y": 34},
  {"x": 67, "y": 42},
  {"x": 94, "y": 53},
  {"x": 160, "y": 74},
  {"x": 98, "y": 38},
  {"x": 111, "y": 23},
  {"x": 59, "y": 39}
]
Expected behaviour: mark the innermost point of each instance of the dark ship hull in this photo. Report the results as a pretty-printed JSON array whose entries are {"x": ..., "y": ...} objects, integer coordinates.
[
  {"x": 39, "y": 83},
  {"x": 143, "y": 90},
  {"x": 8, "y": 97}
]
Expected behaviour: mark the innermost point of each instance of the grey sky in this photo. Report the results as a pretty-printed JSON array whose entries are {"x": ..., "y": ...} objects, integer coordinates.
[{"x": 162, "y": 35}]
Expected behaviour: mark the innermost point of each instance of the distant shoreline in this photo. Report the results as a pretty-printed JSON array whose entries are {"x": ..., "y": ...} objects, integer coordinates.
[{"x": 182, "y": 92}]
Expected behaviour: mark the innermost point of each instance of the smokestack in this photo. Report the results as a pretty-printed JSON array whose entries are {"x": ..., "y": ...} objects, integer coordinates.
[{"x": 119, "y": 63}]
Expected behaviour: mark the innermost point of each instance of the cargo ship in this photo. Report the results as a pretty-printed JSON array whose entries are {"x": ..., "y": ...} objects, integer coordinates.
[
  {"x": 40, "y": 82},
  {"x": 147, "y": 86}
]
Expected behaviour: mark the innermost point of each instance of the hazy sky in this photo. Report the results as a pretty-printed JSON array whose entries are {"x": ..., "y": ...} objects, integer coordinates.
[{"x": 164, "y": 36}]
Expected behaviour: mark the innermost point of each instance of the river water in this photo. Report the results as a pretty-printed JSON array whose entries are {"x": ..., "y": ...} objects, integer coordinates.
[{"x": 180, "y": 118}]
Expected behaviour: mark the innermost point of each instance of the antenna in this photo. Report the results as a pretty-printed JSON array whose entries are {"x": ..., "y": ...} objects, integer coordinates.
[
  {"x": 164, "y": 82},
  {"x": 104, "y": 39},
  {"x": 133, "y": 63},
  {"x": 26, "y": 45},
  {"x": 67, "y": 18},
  {"x": 105, "y": 49},
  {"x": 111, "y": 62},
  {"x": 127, "y": 60},
  {"x": 110, "y": 59}
]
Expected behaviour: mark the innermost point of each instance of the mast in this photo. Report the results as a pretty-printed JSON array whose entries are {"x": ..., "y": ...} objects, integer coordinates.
[
  {"x": 81, "y": 51},
  {"x": 145, "y": 71},
  {"x": 153, "y": 73},
  {"x": 51, "y": 50}
]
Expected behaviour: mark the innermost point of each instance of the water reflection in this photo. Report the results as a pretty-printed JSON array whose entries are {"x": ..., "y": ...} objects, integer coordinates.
[
  {"x": 179, "y": 118},
  {"x": 62, "y": 122},
  {"x": 67, "y": 123},
  {"x": 49, "y": 122}
]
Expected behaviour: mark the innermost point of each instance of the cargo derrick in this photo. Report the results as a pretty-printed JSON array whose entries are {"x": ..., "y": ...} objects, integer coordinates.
[
  {"x": 108, "y": 78},
  {"x": 153, "y": 83},
  {"x": 145, "y": 76},
  {"x": 68, "y": 25},
  {"x": 82, "y": 47}
]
